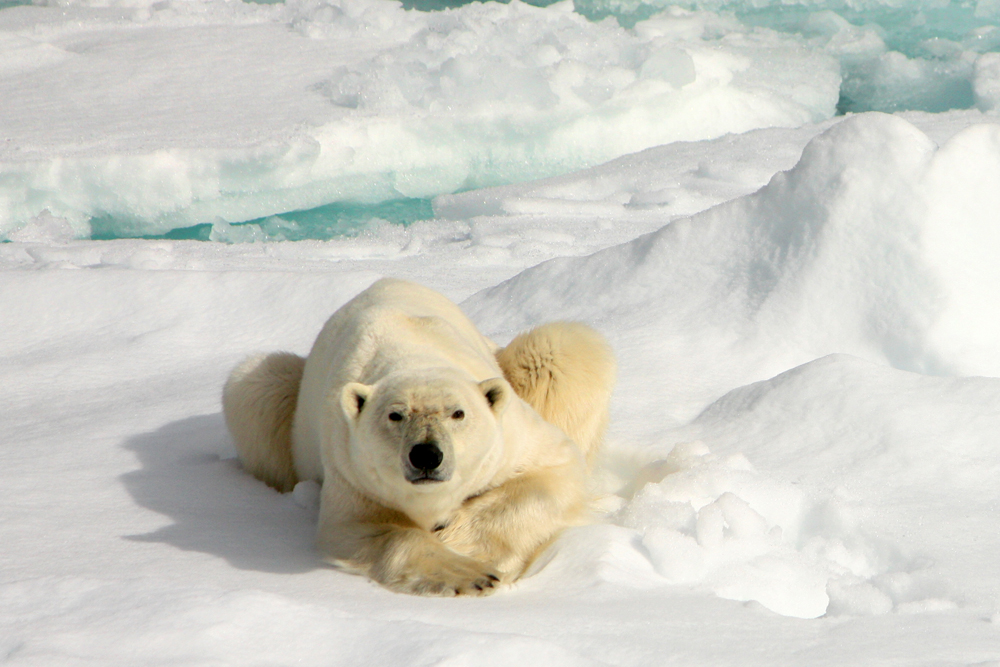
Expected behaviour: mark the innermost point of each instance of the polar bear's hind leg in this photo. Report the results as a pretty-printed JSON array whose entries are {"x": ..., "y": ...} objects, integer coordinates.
[
  {"x": 259, "y": 405},
  {"x": 566, "y": 372}
]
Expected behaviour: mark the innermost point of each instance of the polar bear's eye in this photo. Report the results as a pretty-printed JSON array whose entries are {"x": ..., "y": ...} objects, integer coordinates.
[
  {"x": 395, "y": 416},
  {"x": 458, "y": 414}
]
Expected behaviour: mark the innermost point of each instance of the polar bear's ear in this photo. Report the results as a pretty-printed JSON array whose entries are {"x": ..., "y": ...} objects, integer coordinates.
[
  {"x": 353, "y": 398},
  {"x": 497, "y": 393}
]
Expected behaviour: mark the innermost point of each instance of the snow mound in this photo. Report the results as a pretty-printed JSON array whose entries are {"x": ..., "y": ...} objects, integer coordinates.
[
  {"x": 354, "y": 101},
  {"x": 811, "y": 537},
  {"x": 839, "y": 429},
  {"x": 876, "y": 244},
  {"x": 716, "y": 522}
]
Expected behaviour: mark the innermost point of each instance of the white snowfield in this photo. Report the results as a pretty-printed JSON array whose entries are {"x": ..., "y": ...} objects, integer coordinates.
[
  {"x": 803, "y": 461},
  {"x": 850, "y": 486}
]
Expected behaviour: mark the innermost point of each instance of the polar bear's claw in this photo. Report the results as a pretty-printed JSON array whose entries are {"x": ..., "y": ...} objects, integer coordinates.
[{"x": 448, "y": 577}]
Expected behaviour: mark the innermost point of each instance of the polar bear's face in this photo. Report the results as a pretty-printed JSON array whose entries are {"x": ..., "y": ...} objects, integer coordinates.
[{"x": 425, "y": 434}]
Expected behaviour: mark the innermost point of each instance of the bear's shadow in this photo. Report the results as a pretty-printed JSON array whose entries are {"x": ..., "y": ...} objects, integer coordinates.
[{"x": 190, "y": 475}]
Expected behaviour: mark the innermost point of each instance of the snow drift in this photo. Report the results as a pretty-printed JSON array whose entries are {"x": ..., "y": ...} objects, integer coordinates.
[
  {"x": 808, "y": 538},
  {"x": 876, "y": 244}
]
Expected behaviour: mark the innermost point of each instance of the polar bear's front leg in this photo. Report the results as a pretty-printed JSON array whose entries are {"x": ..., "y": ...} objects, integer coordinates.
[
  {"x": 411, "y": 560},
  {"x": 511, "y": 524},
  {"x": 360, "y": 536},
  {"x": 407, "y": 560}
]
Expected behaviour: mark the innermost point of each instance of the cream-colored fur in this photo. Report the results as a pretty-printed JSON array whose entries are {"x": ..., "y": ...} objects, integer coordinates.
[
  {"x": 565, "y": 371},
  {"x": 401, "y": 365},
  {"x": 258, "y": 402}
]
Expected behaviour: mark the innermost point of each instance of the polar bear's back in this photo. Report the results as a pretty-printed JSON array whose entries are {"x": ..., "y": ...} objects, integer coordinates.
[
  {"x": 395, "y": 322},
  {"x": 393, "y": 325}
]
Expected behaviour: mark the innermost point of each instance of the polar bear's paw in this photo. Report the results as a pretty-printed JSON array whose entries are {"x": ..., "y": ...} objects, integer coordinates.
[{"x": 446, "y": 575}]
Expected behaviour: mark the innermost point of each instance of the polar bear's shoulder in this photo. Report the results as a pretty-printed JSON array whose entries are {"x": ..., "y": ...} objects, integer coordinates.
[{"x": 429, "y": 311}]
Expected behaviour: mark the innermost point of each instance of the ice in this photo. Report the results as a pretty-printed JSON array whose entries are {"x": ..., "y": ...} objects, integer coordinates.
[
  {"x": 987, "y": 81},
  {"x": 802, "y": 459},
  {"x": 893, "y": 55},
  {"x": 358, "y": 102}
]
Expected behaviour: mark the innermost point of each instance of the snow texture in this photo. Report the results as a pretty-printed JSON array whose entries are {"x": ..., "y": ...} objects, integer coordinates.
[
  {"x": 802, "y": 462},
  {"x": 358, "y": 102}
]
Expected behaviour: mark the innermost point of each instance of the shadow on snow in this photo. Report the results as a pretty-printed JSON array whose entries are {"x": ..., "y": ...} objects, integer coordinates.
[{"x": 190, "y": 474}]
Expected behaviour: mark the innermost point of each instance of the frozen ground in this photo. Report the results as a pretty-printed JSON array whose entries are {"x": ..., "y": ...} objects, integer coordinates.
[{"x": 803, "y": 459}]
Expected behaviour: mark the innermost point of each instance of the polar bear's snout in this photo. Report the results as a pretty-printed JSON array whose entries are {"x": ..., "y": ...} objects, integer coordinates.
[
  {"x": 426, "y": 456},
  {"x": 424, "y": 464}
]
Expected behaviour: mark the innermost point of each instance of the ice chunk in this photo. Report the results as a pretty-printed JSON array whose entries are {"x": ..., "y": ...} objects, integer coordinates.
[
  {"x": 47, "y": 228},
  {"x": 987, "y": 81}
]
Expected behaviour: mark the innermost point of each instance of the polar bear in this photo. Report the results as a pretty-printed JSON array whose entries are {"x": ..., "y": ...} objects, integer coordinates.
[{"x": 447, "y": 464}]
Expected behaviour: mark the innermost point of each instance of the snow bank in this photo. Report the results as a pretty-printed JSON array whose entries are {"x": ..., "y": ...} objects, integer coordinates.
[
  {"x": 810, "y": 537},
  {"x": 646, "y": 188},
  {"x": 195, "y": 112},
  {"x": 890, "y": 263},
  {"x": 876, "y": 243}
]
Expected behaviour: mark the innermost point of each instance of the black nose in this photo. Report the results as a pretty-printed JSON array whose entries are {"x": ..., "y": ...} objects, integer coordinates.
[{"x": 426, "y": 456}]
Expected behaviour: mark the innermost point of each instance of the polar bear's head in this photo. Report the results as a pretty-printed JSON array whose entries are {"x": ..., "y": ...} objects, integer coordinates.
[{"x": 425, "y": 437}]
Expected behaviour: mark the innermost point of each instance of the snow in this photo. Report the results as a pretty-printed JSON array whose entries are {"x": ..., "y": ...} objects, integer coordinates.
[
  {"x": 891, "y": 265},
  {"x": 429, "y": 103},
  {"x": 803, "y": 453}
]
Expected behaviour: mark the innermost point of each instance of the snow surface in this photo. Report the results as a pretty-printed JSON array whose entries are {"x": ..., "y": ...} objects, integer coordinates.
[
  {"x": 803, "y": 457},
  {"x": 358, "y": 101}
]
